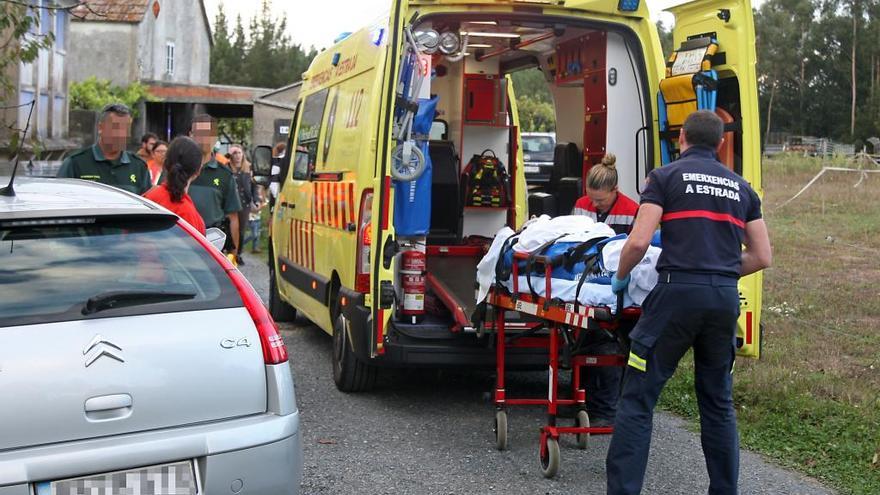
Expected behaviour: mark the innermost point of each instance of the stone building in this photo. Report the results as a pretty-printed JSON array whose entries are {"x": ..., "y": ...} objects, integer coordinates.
[{"x": 45, "y": 83}]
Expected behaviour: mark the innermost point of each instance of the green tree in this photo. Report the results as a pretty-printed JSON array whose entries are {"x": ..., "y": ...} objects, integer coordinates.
[
  {"x": 665, "y": 38},
  {"x": 238, "y": 130},
  {"x": 782, "y": 59},
  {"x": 20, "y": 40},
  {"x": 534, "y": 101},
  {"x": 261, "y": 55},
  {"x": 94, "y": 94}
]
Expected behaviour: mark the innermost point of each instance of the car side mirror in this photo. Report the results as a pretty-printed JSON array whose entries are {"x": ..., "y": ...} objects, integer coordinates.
[
  {"x": 262, "y": 163},
  {"x": 216, "y": 237}
]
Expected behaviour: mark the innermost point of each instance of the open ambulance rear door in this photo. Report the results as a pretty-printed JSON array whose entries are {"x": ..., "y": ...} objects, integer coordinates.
[{"x": 731, "y": 23}]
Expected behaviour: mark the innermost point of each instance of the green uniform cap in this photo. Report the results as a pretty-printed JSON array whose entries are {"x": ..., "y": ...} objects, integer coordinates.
[{"x": 127, "y": 172}]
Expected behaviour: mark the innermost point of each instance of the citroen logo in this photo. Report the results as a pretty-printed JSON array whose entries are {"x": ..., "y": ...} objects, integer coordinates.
[{"x": 100, "y": 347}]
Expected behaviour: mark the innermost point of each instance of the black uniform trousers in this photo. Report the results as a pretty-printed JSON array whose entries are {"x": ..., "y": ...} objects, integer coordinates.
[{"x": 684, "y": 310}]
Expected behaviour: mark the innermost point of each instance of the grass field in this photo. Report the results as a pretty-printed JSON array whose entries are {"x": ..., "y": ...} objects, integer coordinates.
[{"x": 813, "y": 401}]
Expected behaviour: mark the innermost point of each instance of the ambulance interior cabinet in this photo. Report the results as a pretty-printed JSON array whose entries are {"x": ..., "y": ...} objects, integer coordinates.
[{"x": 485, "y": 100}]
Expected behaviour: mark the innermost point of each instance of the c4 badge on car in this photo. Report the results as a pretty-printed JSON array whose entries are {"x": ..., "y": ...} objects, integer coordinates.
[{"x": 230, "y": 343}]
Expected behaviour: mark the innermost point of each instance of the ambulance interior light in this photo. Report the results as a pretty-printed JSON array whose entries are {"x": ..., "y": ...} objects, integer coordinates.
[{"x": 449, "y": 43}]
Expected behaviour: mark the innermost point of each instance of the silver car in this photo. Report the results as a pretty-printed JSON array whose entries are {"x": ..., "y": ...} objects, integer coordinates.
[{"x": 133, "y": 357}]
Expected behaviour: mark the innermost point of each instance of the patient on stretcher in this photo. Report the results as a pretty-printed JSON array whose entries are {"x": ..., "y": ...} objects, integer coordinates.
[{"x": 583, "y": 253}]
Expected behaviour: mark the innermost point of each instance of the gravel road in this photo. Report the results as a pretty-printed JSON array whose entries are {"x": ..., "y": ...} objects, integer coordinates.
[{"x": 430, "y": 432}]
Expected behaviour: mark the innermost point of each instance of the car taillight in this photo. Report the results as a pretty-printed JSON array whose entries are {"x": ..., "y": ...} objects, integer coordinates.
[
  {"x": 364, "y": 243},
  {"x": 274, "y": 350}
]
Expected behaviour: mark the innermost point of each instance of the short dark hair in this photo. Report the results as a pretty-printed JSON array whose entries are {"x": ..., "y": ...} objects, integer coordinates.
[
  {"x": 114, "y": 108},
  {"x": 158, "y": 143},
  {"x": 203, "y": 117},
  {"x": 150, "y": 135},
  {"x": 703, "y": 128}
]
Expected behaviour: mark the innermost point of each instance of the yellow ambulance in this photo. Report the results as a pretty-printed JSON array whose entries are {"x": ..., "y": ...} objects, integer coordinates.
[{"x": 362, "y": 165}]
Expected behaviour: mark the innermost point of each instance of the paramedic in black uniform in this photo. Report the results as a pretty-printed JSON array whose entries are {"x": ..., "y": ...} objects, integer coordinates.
[{"x": 708, "y": 213}]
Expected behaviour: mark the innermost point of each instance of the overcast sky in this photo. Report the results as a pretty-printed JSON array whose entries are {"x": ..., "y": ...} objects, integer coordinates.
[{"x": 317, "y": 23}]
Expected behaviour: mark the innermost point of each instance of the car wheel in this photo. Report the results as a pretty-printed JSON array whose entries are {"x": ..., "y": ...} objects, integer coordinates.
[
  {"x": 280, "y": 310},
  {"x": 350, "y": 373}
]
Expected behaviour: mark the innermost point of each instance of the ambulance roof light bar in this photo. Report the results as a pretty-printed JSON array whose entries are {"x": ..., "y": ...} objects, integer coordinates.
[{"x": 628, "y": 5}]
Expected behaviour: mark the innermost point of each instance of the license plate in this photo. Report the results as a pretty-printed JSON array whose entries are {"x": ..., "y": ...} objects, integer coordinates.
[
  {"x": 530, "y": 169},
  {"x": 165, "y": 479}
]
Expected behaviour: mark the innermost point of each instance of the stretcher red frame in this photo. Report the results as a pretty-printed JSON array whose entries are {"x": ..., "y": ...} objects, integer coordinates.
[{"x": 557, "y": 317}]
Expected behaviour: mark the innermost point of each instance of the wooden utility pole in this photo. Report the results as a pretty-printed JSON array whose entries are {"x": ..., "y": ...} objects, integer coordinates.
[{"x": 769, "y": 112}]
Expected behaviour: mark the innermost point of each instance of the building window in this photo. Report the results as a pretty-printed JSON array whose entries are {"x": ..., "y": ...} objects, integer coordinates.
[
  {"x": 169, "y": 58},
  {"x": 43, "y": 116},
  {"x": 45, "y": 18},
  {"x": 60, "y": 30},
  {"x": 58, "y": 113},
  {"x": 24, "y": 98}
]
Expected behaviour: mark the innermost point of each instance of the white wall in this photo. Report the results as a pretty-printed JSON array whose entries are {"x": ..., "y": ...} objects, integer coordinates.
[
  {"x": 180, "y": 22},
  {"x": 625, "y": 116},
  {"x": 106, "y": 50}
]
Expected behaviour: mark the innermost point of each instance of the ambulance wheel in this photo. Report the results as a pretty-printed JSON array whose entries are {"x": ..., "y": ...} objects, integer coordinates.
[
  {"x": 350, "y": 374},
  {"x": 583, "y": 421},
  {"x": 410, "y": 171},
  {"x": 550, "y": 459},
  {"x": 280, "y": 310},
  {"x": 501, "y": 429}
]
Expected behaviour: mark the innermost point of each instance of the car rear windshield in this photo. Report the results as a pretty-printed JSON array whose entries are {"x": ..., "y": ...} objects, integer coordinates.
[
  {"x": 105, "y": 267},
  {"x": 538, "y": 144}
]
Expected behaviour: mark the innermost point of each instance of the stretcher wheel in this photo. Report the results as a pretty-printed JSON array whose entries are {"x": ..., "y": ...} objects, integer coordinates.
[
  {"x": 550, "y": 459},
  {"x": 583, "y": 421},
  {"x": 406, "y": 172},
  {"x": 501, "y": 430}
]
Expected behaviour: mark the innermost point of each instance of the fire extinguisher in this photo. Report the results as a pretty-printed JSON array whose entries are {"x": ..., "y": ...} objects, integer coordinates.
[{"x": 412, "y": 274}]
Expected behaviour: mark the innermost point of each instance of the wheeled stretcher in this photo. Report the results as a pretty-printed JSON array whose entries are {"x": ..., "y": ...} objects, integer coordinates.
[{"x": 562, "y": 328}]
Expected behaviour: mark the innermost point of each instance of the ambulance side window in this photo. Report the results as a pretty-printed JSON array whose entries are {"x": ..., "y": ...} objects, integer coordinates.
[
  {"x": 301, "y": 169},
  {"x": 306, "y": 147}
]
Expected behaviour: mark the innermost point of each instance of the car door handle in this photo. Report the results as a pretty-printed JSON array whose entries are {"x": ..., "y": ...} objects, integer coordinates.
[{"x": 107, "y": 407}]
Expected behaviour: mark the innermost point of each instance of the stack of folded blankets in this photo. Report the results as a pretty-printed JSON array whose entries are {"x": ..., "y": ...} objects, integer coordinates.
[{"x": 585, "y": 255}]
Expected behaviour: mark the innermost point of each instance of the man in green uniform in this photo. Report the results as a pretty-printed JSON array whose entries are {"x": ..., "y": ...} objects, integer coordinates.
[
  {"x": 214, "y": 191},
  {"x": 107, "y": 161}
]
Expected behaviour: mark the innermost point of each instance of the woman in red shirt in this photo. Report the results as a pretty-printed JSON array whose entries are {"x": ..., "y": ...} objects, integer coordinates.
[
  {"x": 157, "y": 160},
  {"x": 604, "y": 202},
  {"x": 183, "y": 163}
]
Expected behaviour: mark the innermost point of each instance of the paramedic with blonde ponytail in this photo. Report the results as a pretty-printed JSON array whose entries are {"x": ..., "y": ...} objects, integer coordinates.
[
  {"x": 183, "y": 163},
  {"x": 604, "y": 202}
]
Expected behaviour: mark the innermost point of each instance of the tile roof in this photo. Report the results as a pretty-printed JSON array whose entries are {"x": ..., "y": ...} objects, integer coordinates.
[{"x": 112, "y": 11}]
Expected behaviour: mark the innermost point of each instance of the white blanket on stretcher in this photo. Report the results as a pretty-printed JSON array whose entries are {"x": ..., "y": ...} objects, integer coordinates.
[{"x": 644, "y": 275}]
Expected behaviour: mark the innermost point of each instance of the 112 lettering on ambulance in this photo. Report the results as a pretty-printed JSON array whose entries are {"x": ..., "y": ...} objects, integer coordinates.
[{"x": 376, "y": 232}]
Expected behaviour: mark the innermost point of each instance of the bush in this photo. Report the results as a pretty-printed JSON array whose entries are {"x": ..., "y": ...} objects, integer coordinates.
[{"x": 94, "y": 94}]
